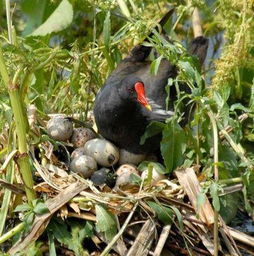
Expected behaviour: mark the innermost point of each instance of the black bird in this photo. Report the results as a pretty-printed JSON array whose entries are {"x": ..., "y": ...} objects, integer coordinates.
[{"x": 132, "y": 97}]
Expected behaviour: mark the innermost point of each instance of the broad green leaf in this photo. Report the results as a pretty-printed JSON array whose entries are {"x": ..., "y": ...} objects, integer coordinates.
[
  {"x": 105, "y": 222},
  {"x": 152, "y": 129},
  {"x": 215, "y": 197},
  {"x": 60, "y": 19},
  {"x": 135, "y": 179},
  {"x": 157, "y": 166},
  {"x": 173, "y": 145},
  {"x": 239, "y": 106},
  {"x": 22, "y": 208},
  {"x": 229, "y": 158},
  {"x": 41, "y": 208},
  {"x": 78, "y": 233},
  {"x": 228, "y": 206},
  {"x": 72, "y": 239},
  {"x": 164, "y": 214},
  {"x": 60, "y": 230},
  {"x": 189, "y": 71},
  {"x": 28, "y": 220},
  {"x": 155, "y": 65},
  {"x": 36, "y": 12}
]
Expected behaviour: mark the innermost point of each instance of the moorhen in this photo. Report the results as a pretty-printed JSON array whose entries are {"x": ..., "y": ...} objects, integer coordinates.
[{"x": 132, "y": 97}]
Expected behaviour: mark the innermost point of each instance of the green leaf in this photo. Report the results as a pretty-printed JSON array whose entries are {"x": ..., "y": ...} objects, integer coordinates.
[
  {"x": 29, "y": 218},
  {"x": 228, "y": 206},
  {"x": 52, "y": 247},
  {"x": 163, "y": 213},
  {"x": 201, "y": 198},
  {"x": 40, "y": 208},
  {"x": 157, "y": 166},
  {"x": 60, "y": 19},
  {"x": 214, "y": 193},
  {"x": 73, "y": 239},
  {"x": 173, "y": 145},
  {"x": 36, "y": 12},
  {"x": 179, "y": 217},
  {"x": 106, "y": 222},
  {"x": 106, "y": 30},
  {"x": 78, "y": 233},
  {"x": 155, "y": 65},
  {"x": 60, "y": 231},
  {"x": 135, "y": 179},
  {"x": 124, "y": 8},
  {"x": 151, "y": 130},
  {"x": 239, "y": 106},
  {"x": 22, "y": 208}
]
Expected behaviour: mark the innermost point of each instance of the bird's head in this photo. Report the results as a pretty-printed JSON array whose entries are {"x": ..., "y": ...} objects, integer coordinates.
[{"x": 133, "y": 89}]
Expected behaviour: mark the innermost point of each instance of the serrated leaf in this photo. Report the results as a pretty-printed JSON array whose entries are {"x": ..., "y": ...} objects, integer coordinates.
[
  {"x": 173, "y": 145},
  {"x": 155, "y": 65},
  {"x": 106, "y": 222},
  {"x": 164, "y": 214},
  {"x": 152, "y": 129},
  {"x": 60, "y": 19}
]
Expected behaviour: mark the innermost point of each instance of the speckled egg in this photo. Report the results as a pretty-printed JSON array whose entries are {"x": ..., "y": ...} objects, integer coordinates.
[
  {"x": 81, "y": 135},
  {"x": 104, "y": 152},
  {"x": 60, "y": 128}
]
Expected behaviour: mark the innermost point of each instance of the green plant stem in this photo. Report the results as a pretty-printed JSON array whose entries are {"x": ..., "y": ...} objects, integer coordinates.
[
  {"x": 216, "y": 178},
  {"x": 232, "y": 180},
  {"x": 9, "y": 23},
  {"x": 45, "y": 62},
  {"x": 20, "y": 121},
  {"x": 12, "y": 232}
]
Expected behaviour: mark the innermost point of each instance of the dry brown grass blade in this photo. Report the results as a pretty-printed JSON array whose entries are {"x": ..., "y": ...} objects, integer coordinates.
[
  {"x": 144, "y": 240},
  {"x": 41, "y": 221},
  {"x": 162, "y": 240},
  {"x": 189, "y": 181},
  {"x": 241, "y": 237}
]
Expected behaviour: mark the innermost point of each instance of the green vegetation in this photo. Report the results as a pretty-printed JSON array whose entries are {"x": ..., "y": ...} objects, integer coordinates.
[{"x": 57, "y": 55}]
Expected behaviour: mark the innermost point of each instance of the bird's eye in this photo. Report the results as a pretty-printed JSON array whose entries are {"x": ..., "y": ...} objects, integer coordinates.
[{"x": 130, "y": 90}]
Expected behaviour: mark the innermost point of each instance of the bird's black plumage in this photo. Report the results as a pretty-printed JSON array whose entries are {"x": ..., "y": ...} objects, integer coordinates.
[{"x": 119, "y": 117}]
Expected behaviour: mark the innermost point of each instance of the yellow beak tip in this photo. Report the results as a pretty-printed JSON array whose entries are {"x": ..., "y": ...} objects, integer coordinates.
[{"x": 148, "y": 107}]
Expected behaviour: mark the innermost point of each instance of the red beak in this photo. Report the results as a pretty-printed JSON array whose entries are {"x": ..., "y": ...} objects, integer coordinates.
[{"x": 140, "y": 90}]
